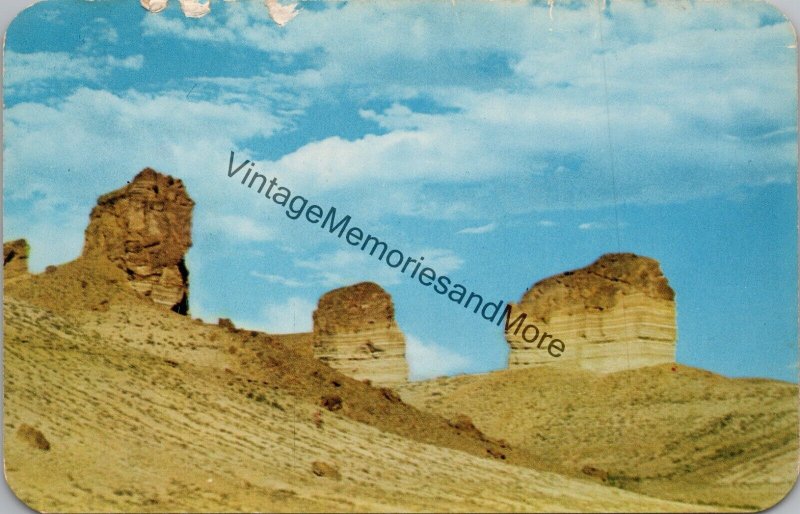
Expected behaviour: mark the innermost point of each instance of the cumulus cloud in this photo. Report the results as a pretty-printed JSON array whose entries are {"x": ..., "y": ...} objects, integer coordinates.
[
  {"x": 513, "y": 120},
  {"x": 539, "y": 119},
  {"x": 91, "y": 141},
  {"x": 483, "y": 229},
  {"x": 428, "y": 360},
  {"x": 238, "y": 228}
]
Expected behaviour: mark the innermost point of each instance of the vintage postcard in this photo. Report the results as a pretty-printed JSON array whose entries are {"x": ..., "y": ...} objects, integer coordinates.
[{"x": 396, "y": 256}]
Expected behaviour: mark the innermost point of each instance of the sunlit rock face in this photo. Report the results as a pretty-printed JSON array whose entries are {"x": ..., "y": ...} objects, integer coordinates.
[
  {"x": 617, "y": 313},
  {"x": 145, "y": 229},
  {"x": 355, "y": 332}
]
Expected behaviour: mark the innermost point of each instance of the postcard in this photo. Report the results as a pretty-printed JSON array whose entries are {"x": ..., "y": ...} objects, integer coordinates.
[{"x": 430, "y": 256}]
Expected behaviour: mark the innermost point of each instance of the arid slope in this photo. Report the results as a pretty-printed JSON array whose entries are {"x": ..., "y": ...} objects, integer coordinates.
[
  {"x": 669, "y": 431},
  {"x": 143, "y": 409}
]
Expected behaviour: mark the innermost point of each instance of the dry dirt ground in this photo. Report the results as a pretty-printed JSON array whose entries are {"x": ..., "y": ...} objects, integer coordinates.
[
  {"x": 668, "y": 431},
  {"x": 114, "y": 404}
]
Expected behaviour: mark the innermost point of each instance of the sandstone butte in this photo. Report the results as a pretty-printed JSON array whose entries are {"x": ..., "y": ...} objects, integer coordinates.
[
  {"x": 355, "y": 332},
  {"x": 145, "y": 228},
  {"x": 617, "y": 313},
  {"x": 668, "y": 431}
]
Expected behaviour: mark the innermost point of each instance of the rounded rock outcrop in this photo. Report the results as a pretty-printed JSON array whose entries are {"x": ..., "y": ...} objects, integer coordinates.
[{"x": 617, "y": 313}]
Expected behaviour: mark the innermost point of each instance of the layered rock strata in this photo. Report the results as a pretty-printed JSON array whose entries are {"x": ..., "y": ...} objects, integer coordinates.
[
  {"x": 15, "y": 258},
  {"x": 145, "y": 229},
  {"x": 355, "y": 332},
  {"x": 617, "y": 313}
]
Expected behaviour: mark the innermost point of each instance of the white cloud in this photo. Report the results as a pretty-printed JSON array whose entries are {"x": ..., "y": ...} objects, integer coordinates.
[
  {"x": 442, "y": 260},
  {"x": 601, "y": 225},
  {"x": 547, "y": 223},
  {"x": 278, "y": 279},
  {"x": 32, "y": 69},
  {"x": 289, "y": 317},
  {"x": 51, "y": 243},
  {"x": 478, "y": 230},
  {"x": 237, "y": 228},
  {"x": 592, "y": 225},
  {"x": 90, "y": 142},
  {"x": 532, "y": 136},
  {"x": 545, "y": 115},
  {"x": 429, "y": 360},
  {"x": 345, "y": 267}
]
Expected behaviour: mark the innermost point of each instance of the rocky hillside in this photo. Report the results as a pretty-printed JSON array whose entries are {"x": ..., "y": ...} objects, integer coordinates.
[
  {"x": 145, "y": 229},
  {"x": 355, "y": 332},
  {"x": 617, "y": 313},
  {"x": 668, "y": 431},
  {"x": 115, "y": 403},
  {"x": 138, "y": 409}
]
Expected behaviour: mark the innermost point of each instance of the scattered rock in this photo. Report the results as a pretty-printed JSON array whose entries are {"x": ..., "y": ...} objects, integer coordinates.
[
  {"x": 464, "y": 424},
  {"x": 145, "y": 229},
  {"x": 332, "y": 402},
  {"x": 33, "y": 437},
  {"x": 15, "y": 258},
  {"x": 226, "y": 324},
  {"x": 324, "y": 469},
  {"x": 497, "y": 454},
  {"x": 317, "y": 419},
  {"x": 595, "y": 472},
  {"x": 391, "y": 395}
]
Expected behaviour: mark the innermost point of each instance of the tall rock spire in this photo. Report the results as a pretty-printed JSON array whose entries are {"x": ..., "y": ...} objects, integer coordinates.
[{"x": 145, "y": 229}]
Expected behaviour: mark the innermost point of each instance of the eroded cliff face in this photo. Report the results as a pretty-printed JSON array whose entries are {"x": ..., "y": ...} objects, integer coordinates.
[
  {"x": 356, "y": 333},
  {"x": 145, "y": 229},
  {"x": 617, "y": 313},
  {"x": 15, "y": 258}
]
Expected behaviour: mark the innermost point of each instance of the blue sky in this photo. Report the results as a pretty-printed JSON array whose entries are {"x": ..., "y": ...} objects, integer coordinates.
[{"x": 503, "y": 143}]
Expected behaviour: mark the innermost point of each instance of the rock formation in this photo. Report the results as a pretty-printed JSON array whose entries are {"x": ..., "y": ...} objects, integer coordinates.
[
  {"x": 15, "y": 258},
  {"x": 617, "y": 313},
  {"x": 356, "y": 333},
  {"x": 145, "y": 229}
]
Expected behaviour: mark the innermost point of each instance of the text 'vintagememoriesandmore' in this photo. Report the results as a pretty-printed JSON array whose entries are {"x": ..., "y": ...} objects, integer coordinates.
[{"x": 298, "y": 206}]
